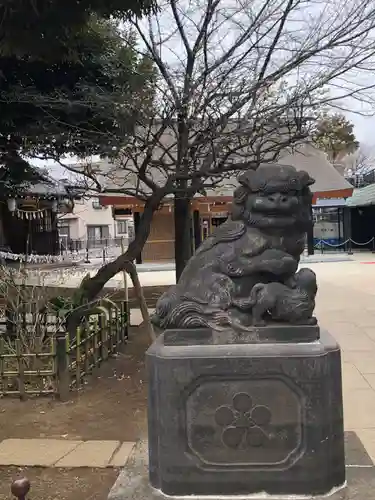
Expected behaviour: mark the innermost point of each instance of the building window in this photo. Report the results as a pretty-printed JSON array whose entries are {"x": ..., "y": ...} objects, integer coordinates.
[
  {"x": 122, "y": 227},
  {"x": 96, "y": 204},
  {"x": 326, "y": 214},
  {"x": 64, "y": 234},
  {"x": 64, "y": 230},
  {"x": 97, "y": 233}
]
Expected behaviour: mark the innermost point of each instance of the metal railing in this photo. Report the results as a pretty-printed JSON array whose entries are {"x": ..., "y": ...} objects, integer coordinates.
[
  {"x": 103, "y": 248},
  {"x": 346, "y": 246}
]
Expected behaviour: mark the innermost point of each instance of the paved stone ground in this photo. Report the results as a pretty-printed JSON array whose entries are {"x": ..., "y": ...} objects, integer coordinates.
[{"x": 346, "y": 307}]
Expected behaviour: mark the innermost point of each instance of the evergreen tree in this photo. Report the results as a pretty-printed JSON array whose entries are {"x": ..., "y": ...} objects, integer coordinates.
[
  {"x": 334, "y": 134},
  {"x": 46, "y": 28},
  {"x": 83, "y": 106}
]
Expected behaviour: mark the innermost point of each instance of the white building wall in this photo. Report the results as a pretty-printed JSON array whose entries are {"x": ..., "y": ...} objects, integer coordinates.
[{"x": 84, "y": 214}]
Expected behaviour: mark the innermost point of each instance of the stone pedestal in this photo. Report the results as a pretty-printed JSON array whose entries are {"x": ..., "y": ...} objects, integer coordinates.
[{"x": 233, "y": 414}]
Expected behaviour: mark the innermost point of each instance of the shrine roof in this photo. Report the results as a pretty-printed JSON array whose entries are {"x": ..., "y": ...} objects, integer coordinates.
[
  {"x": 48, "y": 187},
  {"x": 328, "y": 181}
]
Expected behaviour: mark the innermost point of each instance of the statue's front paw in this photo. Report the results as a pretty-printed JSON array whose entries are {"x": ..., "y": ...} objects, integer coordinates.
[
  {"x": 221, "y": 318},
  {"x": 243, "y": 304}
]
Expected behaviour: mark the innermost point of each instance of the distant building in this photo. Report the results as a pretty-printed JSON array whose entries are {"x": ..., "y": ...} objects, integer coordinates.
[
  {"x": 359, "y": 170},
  {"x": 361, "y": 206},
  {"x": 28, "y": 219},
  {"x": 330, "y": 192},
  {"x": 90, "y": 224}
]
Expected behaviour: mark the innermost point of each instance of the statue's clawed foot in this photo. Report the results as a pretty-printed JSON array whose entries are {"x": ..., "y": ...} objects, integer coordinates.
[
  {"x": 243, "y": 304},
  {"x": 221, "y": 318}
]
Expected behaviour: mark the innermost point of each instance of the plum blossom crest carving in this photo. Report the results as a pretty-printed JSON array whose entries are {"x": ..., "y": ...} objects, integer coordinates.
[{"x": 244, "y": 423}]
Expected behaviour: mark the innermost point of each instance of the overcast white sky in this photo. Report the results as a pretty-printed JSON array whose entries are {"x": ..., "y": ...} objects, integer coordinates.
[
  {"x": 172, "y": 52},
  {"x": 364, "y": 128}
]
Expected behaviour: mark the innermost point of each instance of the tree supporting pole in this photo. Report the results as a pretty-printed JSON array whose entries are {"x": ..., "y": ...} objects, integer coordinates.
[{"x": 136, "y": 217}]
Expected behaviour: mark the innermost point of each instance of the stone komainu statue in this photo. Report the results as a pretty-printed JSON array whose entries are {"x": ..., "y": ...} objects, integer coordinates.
[{"x": 259, "y": 244}]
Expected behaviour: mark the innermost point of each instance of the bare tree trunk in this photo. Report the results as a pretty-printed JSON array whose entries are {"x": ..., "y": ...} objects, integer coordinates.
[
  {"x": 94, "y": 285},
  {"x": 183, "y": 243}
]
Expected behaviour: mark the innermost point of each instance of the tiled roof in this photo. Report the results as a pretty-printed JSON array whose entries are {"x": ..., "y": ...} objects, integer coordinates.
[
  {"x": 362, "y": 197},
  {"x": 54, "y": 188},
  {"x": 307, "y": 158},
  {"x": 314, "y": 162}
]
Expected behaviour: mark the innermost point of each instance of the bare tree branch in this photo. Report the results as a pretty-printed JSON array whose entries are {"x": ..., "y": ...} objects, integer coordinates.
[{"x": 239, "y": 84}]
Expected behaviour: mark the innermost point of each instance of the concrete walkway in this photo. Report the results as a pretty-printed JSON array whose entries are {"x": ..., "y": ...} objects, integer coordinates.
[
  {"x": 346, "y": 307},
  {"x": 64, "y": 453}
]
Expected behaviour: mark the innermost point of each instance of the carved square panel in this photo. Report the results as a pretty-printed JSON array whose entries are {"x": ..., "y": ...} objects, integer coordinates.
[{"x": 245, "y": 423}]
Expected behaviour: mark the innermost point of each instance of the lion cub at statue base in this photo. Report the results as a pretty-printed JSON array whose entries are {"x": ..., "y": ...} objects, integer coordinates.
[{"x": 293, "y": 304}]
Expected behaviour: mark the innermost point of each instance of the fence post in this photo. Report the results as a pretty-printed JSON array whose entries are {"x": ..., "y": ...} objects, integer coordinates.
[
  {"x": 126, "y": 290},
  {"x": 125, "y": 320},
  {"x": 103, "y": 337},
  {"x": 87, "y": 261},
  {"x": 78, "y": 357},
  {"x": 350, "y": 251},
  {"x": 118, "y": 327},
  {"x": 103, "y": 255},
  {"x": 122, "y": 324},
  {"x": 110, "y": 332},
  {"x": 20, "y": 488},
  {"x": 86, "y": 338},
  {"x": 62, "y": 361},
  {"x": 95, "y": 346},
  {"x": 21, "y": 370}
]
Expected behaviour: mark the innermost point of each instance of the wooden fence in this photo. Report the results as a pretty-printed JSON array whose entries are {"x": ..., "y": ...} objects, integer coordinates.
[{"x": 56, "y": 363}]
